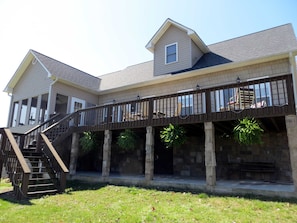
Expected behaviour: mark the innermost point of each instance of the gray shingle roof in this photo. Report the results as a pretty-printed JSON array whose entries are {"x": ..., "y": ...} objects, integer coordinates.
[
  {"x": 265, "y": 43},
  {"x": 68, "y": 73}
]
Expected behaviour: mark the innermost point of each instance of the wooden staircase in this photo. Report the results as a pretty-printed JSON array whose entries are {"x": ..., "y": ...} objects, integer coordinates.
[
  {"x": 42, "y": 179},
  {"x": 35, "y": 169}
]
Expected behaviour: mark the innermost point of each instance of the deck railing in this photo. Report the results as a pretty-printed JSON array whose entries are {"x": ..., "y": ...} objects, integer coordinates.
[{"x": 255, "y": 98}]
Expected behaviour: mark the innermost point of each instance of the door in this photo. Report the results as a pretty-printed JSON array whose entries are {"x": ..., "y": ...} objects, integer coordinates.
[{"x": 77, "y": 104}]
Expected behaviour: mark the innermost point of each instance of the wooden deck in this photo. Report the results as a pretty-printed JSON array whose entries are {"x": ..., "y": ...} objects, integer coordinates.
[{"x": 270, "y": 97}]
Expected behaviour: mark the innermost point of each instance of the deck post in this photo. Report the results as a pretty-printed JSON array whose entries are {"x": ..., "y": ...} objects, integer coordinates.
[
  {"x": 74, "y": 153},
  {"x": 210, "y": 157},
  {"x": 291, "y": 124},
  {"x": 149, "y": 153},
  {"x": 106, "y": 154}
]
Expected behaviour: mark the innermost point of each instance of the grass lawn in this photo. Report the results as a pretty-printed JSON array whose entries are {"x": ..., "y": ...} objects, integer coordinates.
[{"x": 107, "y": 203}]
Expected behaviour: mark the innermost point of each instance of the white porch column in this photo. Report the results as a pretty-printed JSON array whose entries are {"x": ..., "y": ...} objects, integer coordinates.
[
  {"x": 106, "y": 154},
  {"x": 149, "y": 153},
  {"x": 74, "y": 153},
  {"x": 291, "y": 124},
  {"x": 210, "y": 156}
]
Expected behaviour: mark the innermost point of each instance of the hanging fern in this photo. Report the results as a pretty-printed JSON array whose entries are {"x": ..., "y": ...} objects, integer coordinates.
[
  {"x": 248, "y": 132},
  {"x": 88, "y": 141},
  {"x": 173, "y": 135},
  {"x": 127, "y": 140}
]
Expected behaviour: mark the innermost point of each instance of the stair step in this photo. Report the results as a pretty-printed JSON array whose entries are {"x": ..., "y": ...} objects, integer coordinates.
[
  {"x": 41, "y": 193},
  {"x": 41, "y": 185}
]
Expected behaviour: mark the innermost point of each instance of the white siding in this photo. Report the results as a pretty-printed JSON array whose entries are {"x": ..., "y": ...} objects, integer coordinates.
[
  {"x": 34, "y": 82},
  {"x": 172, "y": 35}
]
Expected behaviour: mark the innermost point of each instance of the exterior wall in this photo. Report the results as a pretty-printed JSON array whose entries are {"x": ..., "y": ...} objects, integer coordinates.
[
  {"x": 273, "y": 68},
  {"x": 274, "y": 149},
  {"x": 34, "y": 82},
  {"x": 172, "y": 35},
  {"x": 60, "y": 88},
  {"x": 196, "y": 53},
  {"x": 189, "y": 161}
]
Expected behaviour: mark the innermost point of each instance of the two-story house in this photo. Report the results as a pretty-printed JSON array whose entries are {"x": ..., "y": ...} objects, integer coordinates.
[{"x": 204, "y": 88}]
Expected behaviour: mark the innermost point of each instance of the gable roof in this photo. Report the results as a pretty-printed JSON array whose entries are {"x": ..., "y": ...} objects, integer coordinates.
[
  {"x": 55, "y": 70},
  {"x": 250, "y": 48},
  {"x": 191, "y": 33}
]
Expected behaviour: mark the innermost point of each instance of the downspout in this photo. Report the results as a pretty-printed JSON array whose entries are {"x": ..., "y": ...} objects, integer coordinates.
[
  {"x": 49, "y": 100},
  {"x": 294, "y": 75}
]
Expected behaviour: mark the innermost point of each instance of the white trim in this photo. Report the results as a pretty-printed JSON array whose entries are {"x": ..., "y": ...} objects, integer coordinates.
[
  {"x": 186, "y": 90},
  {"x": 257, "y": 78},
  {"x": 176, "y": 53}
]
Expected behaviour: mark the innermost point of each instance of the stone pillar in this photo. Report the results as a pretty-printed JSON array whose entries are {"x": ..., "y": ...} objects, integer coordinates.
[
  {"x": 149, "y": 153},
  {"x": 210, "y": 155},
  {"x": 106, "y": 154},
  {"x": 74, "y": 153},
  {"x": 291, "y": 124}
]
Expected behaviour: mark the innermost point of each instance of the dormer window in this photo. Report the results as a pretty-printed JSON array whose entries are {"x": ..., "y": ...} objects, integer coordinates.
[{"x": 171, "y": 53}]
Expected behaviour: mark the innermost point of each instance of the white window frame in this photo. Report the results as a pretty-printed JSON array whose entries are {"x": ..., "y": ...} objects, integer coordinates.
[{"x": 176, "y": 53}]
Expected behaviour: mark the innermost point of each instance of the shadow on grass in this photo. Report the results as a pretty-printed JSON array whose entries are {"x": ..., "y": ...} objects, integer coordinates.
[
  {"x": 77, "y": 185},
  {"x": 10, "y": 197}
]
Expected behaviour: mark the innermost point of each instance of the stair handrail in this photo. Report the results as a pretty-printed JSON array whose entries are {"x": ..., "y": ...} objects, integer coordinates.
[
  {"x": 12, "y": 153},
  {"x": 64, "y": 122},
  {"x": 57, "y": 163},
  {"x": 31, "y": 135}
]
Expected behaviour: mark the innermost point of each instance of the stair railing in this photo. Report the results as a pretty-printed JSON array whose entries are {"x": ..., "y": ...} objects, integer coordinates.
[
  {"x": 30, "y": 138},
  {"x": 61, "y": 128},
  {"x": 15, "y": 163},
  {"x": 56, "y": 162}
]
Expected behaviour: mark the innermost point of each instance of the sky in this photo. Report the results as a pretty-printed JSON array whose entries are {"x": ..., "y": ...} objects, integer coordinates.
[{"x": 102, "y": 36}]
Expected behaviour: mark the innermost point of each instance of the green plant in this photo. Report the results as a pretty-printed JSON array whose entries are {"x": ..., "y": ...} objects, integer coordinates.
[
  {"x": 127, "y": 140},
  {"x": 88, "y": 141},
  {"x": 173, "y": 135},
  {"x": 248, "y": 132}
]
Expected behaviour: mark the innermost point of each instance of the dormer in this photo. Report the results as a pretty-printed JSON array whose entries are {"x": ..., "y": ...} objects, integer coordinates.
[{"x": 175, "y": 47}]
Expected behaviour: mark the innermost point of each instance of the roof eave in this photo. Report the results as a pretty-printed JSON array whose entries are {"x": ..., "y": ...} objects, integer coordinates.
[
  {"x": 198, "y": 72},
  {"x": 191, "y": 33}
]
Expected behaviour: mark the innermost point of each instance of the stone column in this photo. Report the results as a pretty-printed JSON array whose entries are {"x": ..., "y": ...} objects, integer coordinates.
[
  {"x": 149, "y": 153},
  {"x": 210, "y": 155},
  {"x": 106, "y": 154},
  {"x": 291, "y": 124},
  {"x": 74, "y": 153}
]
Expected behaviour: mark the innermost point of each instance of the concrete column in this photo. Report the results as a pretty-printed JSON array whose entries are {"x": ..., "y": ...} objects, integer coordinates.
[
  {"x": 210, "y": 155},
  {"x": 149, "y": 153},
  {"x": 106, "y": 153},
  {"x": 291, "y": 124},
  {"x": 74, "y": 153}
]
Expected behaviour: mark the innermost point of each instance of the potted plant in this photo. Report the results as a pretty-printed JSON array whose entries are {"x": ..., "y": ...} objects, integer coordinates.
[
  {"x": 248, "y": 132},
  {"x": 173, "y": 135},
  {"x": 127, "y": 140},
  {"x": 88, "y": 141}
]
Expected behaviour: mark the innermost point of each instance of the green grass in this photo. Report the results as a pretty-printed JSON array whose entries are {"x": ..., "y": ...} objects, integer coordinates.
[{"x": 107, "y": 203}]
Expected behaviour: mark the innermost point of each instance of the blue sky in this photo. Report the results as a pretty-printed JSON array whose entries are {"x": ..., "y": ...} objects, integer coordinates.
[{"x": 101, "y": 36}]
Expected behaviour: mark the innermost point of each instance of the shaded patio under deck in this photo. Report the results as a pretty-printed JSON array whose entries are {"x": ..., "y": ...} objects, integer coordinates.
[{"x": 169, "y": 182}]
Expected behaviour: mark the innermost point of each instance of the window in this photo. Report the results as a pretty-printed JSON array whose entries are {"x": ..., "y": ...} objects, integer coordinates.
[
  {"x": 33, "y": 111},
  {"x": 171, "y": 53},
  {"x": 15, "y": 114},
  {"x": 24, "y": 107}
]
